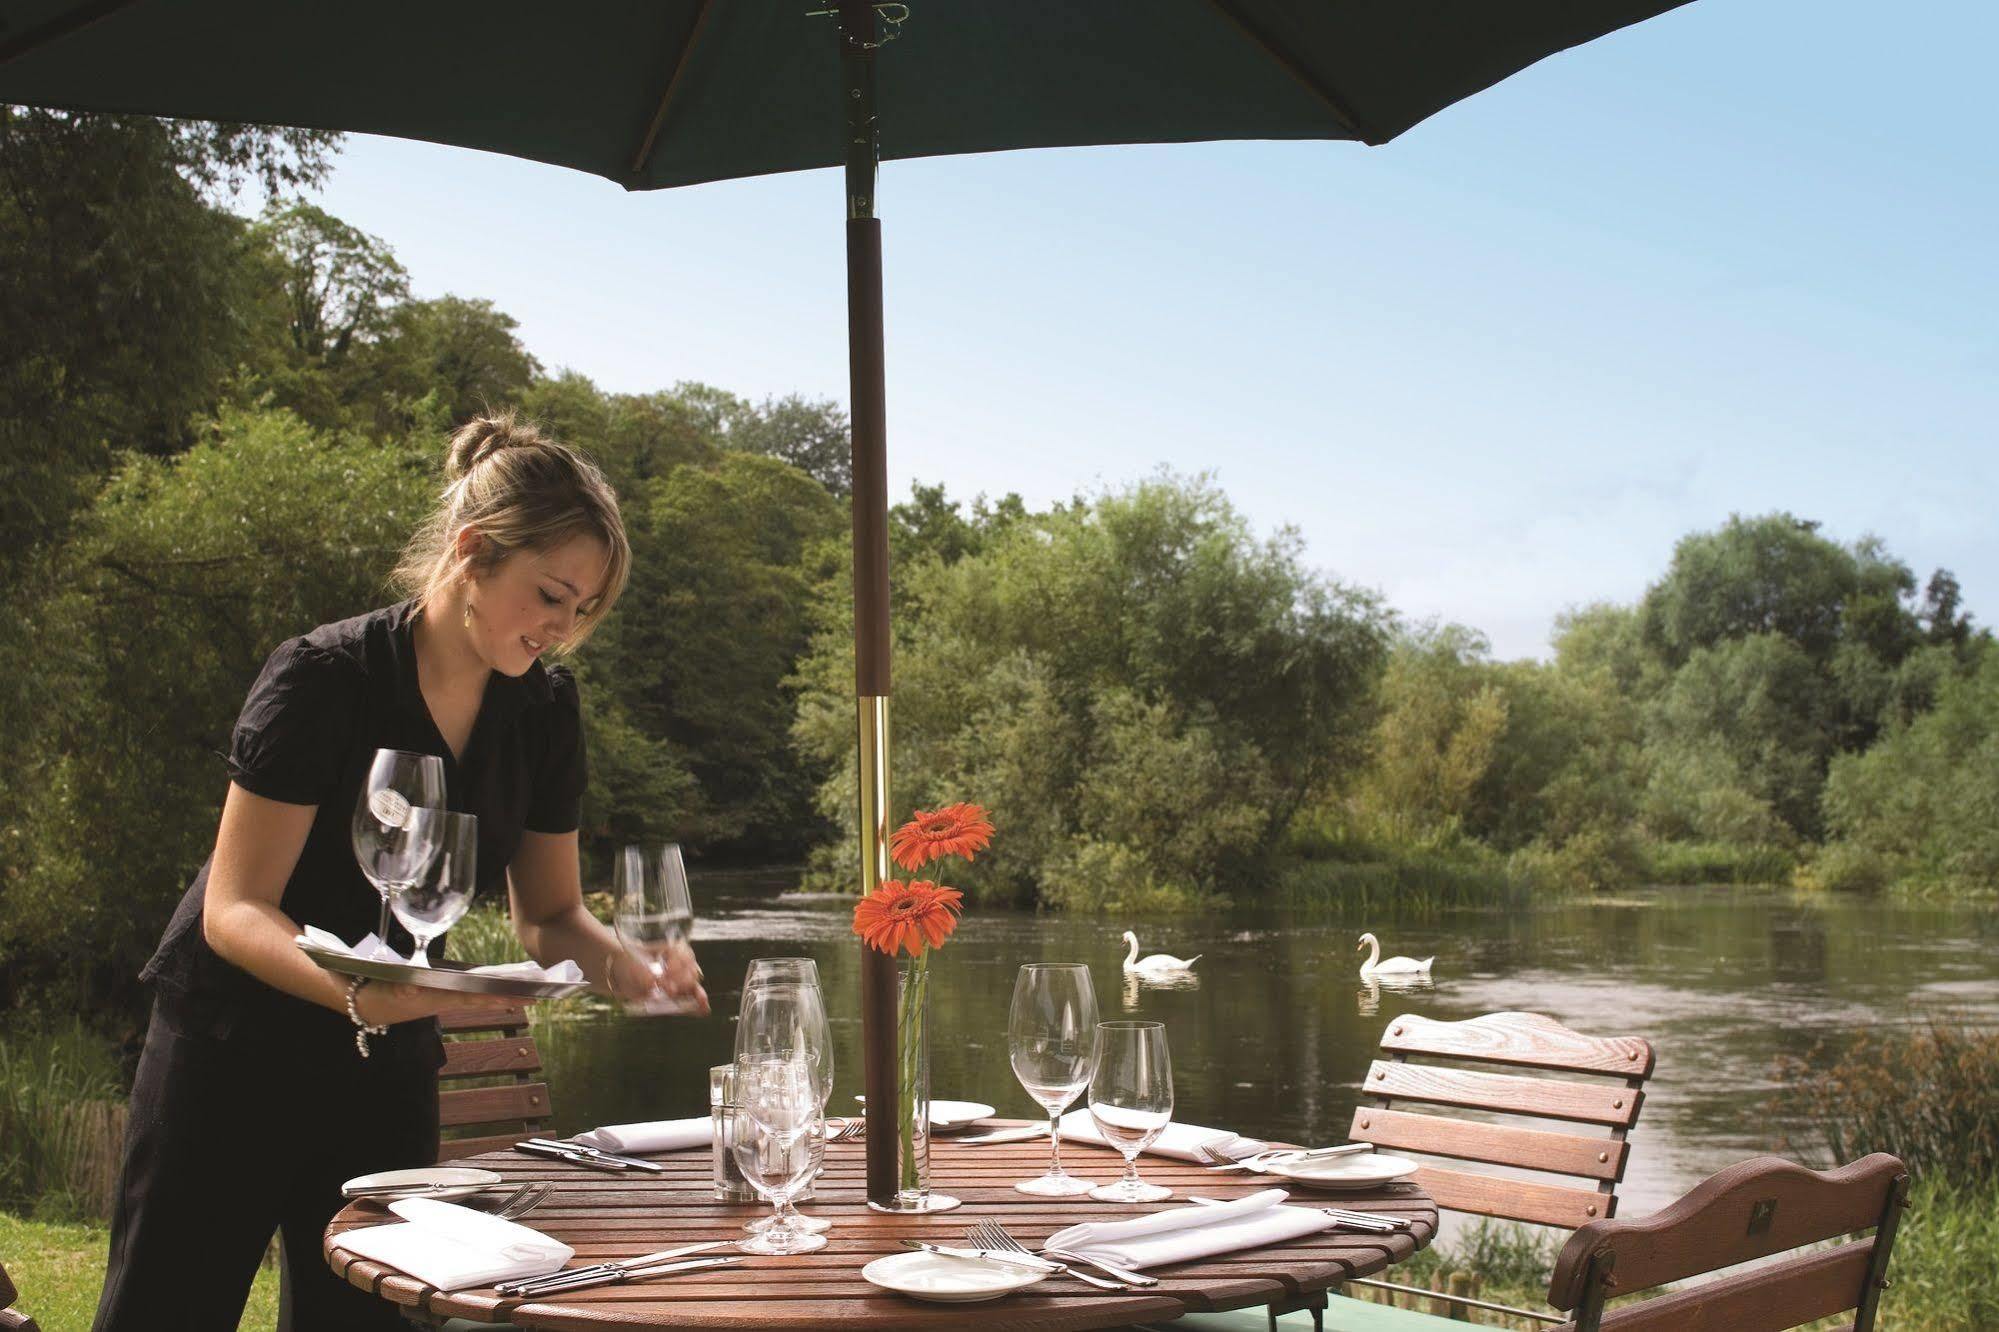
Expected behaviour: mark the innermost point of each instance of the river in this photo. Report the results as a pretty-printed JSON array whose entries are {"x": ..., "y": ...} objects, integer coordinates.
[{"x": 1274, "y": 1031}]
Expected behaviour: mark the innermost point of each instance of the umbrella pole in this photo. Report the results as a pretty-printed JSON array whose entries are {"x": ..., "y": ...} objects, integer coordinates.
[{"x": 870, "y": 508}]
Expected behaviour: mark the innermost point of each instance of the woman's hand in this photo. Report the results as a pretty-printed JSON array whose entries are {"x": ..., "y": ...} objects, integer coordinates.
[{"x": 630, "y": 977}]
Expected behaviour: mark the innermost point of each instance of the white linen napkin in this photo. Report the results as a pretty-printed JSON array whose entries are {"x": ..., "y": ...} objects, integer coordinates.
[
  {"x": 659, "y": 1135},
  {"x": 1182, "y": 1234},
  {"x": 452, "y": 1247},
  {"x": 565, "y": 971},
  {"x": 1180, "y": 1141}
]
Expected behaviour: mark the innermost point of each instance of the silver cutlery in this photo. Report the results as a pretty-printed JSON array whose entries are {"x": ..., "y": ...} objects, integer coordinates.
[
  {"x": 1028, "y": 1261},
  {"x": 524, "y": 1200},
  {"x": 572, "y": 1155},
  {"x": 511, "y": 1288},
  {"x": 1231, "y": 1156},
  {"x": 588, "y": 1280},
  {"x": 1014, "y": 1253},
  {"x": 992, "y": 1235},
  {"x": 1372, "y": 1222},
  {"x": 570, "y": 1145},
  {"x": 847, "y": 1130},
  {"x": 1021, "y": 1134},
  {"x": 398, "y": 1190}
]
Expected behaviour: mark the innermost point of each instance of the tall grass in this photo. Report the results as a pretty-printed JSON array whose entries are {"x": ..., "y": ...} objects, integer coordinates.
[
  {"x": 1327, "y": 861},
  {"x": 49, "y": 1076},
  {"x": 1930, "y": 1095}
]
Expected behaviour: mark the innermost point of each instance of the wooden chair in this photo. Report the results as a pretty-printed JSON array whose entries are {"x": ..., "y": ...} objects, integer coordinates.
[
  {"x": 12, "y": 1319},
  {"x": 482, "y": 1046},
  {"x": 1752, "y": 1210},
  {"x": 1599, "y": 1089}
]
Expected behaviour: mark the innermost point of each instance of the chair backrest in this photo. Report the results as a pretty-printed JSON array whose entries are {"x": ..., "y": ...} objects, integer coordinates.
[
  {"x": 1752, "y": 1210},
  {"x": 1587, "y": 1165},
  {"x": 494, "y": 1047}
]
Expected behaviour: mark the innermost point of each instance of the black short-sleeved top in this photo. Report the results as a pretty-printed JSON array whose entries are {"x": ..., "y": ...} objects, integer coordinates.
[{"x": 307, "y": 735}]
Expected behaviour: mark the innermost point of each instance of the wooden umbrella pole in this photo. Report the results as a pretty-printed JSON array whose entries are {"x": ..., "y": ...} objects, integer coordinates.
[{"x": 871, "y": 641}]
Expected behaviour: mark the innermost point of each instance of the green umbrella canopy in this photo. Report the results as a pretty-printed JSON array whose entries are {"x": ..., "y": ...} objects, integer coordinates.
[{"x": 675, "y": 92}]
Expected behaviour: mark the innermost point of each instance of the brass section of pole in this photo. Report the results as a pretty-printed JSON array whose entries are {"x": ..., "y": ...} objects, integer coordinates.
[{"x": 878, "y": 974}]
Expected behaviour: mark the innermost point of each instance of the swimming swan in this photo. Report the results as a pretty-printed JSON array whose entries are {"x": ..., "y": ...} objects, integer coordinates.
[
  {"x": 1394, "y": 966},
  {"x": 1157, "y": 962}
]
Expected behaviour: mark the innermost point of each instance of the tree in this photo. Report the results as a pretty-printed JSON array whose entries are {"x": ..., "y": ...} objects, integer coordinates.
[{"x": 340, "y": 286}]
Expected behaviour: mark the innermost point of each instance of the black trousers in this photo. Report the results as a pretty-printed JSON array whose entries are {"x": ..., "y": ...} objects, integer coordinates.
[{"x": 233, "y": 1138}]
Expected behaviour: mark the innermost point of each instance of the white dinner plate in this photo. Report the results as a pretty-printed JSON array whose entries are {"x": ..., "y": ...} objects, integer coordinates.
[
  {"x": 456, "y": 1181},
  {"x": 1344, "y": 1172},
  {"x": 938, "y": 1276},
  {"x": 949, "y": 1116}
]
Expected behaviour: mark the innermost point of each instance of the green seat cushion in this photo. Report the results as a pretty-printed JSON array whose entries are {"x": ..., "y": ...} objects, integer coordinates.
[{"x": 1342, "y": 1315}]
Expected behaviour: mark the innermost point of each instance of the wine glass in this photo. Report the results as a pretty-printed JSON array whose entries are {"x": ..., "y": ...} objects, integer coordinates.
[
  {"x": 393, "y": 847},
  {"x": 785, "y": 1020},
  {"x": 780, "y": 971},
  {"x": 654, "y": 913},
  {"x": 1131, "y": 1101},
  {"x": 1052, "y": 1040},
  {"x": 436, "y": 901}
]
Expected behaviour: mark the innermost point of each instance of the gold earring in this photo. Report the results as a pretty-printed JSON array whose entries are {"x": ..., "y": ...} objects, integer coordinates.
[{"x": 468, "y": 615}]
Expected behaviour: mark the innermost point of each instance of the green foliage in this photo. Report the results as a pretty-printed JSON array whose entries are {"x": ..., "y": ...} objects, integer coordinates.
[
  {"x": 160, "y": 612},
  {"x": 1919, "y": 806},
  {"x": 1941, "y": 1269},
  {"x": 1929, "y": 1096},
  {"x": 48, "y": 1074},
  {"x": 1134, "y": 672}
]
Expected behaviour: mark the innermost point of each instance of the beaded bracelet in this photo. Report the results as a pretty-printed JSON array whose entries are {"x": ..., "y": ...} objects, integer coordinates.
[{"x": 362, "y": 1030}]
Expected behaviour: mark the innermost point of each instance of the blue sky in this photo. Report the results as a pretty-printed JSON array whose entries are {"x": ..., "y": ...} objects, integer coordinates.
[{"x": 1735, "y": 259}]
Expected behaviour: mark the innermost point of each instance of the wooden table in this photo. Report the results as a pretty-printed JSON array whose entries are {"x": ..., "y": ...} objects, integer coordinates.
[{"x": 606, "y": 1216}]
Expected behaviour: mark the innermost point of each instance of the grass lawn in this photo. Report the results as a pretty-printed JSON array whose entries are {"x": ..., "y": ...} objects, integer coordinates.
[{"x": 59, "y": 1267}]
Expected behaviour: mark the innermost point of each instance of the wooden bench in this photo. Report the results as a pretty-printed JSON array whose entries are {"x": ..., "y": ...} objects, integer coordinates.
[
  {"x": 1749, "y": 1211},
  {"x": 492, "y": 1047},
  {"x": 1524, "y": 1066}
]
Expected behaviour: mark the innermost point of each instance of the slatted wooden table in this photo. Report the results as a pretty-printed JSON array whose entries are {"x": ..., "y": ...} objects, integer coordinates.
[{"x": 607, "y": 1216}]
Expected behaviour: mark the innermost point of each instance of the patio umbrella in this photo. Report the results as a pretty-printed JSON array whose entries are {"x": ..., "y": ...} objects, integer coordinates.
[{"x": 676, "y": 92}]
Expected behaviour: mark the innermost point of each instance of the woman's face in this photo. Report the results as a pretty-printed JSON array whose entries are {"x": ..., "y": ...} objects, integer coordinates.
[{"x": 528, "y": 603}]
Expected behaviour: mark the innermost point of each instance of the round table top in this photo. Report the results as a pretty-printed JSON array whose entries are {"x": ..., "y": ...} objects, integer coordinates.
[{"x": 608, "y": 1216}]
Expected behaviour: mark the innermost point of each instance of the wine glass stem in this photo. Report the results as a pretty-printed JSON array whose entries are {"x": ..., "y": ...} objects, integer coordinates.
[
  {"x": 1131, "y": 1179},
  {"x": 382, "y": 928},
  {"x": 1055, "y": 1141}
]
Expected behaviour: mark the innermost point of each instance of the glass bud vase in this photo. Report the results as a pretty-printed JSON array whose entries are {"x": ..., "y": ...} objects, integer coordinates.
[{"x": 912, "y": 1070}]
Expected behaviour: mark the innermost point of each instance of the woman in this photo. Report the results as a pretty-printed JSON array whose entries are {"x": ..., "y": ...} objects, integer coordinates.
[{"x": 264, "y": 1084}]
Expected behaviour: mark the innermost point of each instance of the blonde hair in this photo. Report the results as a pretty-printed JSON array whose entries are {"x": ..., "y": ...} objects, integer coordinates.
[{"x": 522, "y": 491}]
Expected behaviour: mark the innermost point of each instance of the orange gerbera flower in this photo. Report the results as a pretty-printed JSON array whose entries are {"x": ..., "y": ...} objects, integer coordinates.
[
  {"x": 907, "y": 916},
  {"x": 955, "y": 830}
]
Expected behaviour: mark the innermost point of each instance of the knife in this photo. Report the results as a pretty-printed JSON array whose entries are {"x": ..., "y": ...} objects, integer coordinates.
[
  {"x": 1001, "y": 1135},
  {"x": 571, "y": 1155},
  {"x": 1028, "y": 1261},
  {"x": 610, "y": 1277},
  {"x": 594, "y": 1269},
  {"x": 636, "y": 1163}
]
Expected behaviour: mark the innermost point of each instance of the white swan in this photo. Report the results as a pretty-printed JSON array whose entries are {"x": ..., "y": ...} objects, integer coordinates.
[
  {"x": 1156, "y": 962},
  {"x": 1394, "y": 966}
]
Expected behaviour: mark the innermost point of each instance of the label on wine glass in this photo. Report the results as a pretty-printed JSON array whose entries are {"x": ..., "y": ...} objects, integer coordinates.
[{"x": 389, "y": 807}]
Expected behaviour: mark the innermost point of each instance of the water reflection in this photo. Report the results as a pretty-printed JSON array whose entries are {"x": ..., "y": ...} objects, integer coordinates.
[
  {"x": 1272, "y": 1034},
  {"x": 1367, "y": 999}
]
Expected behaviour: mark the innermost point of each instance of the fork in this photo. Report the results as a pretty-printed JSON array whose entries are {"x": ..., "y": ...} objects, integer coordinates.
[
  {"x": 848, "y": 1130},
  {"x": 524, "y": 1199},
  {"x": 991, "y": 1234}
]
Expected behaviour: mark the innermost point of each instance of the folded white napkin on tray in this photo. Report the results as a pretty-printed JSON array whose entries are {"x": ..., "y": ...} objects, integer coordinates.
[
  {"x": 1182, "y": 1234},
  {"x": 1180, "y": 1141},
  {"x": 373, "y": 949},
  {"x": 452, "y": 1247},
  {"x": 659, "y": 1135}
]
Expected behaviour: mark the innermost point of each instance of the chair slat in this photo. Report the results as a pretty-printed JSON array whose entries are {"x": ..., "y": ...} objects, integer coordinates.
[
  {"x": 1587, "y": 1103},
  {"x": 505, "y": 1054},
  {"x": 1599, "y": 1158},
  {"x": 1750, "y": 1210},
  {"x": 504, "y": 1013},
  {"x": 459, "y": 1149},
  {"x": 1524, "y": 1040},
  {"x": 483, "y": 1105},
  {"x": 1782, "y": 1295},
  {"x": 1516, "y": 1199}
]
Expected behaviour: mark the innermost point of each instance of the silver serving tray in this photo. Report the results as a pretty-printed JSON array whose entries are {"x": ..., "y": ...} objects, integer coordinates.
[{"x": 442, "y": 976}]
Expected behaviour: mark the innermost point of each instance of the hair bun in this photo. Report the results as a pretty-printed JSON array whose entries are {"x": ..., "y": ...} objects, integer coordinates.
[{"x": 483, "y": 436}]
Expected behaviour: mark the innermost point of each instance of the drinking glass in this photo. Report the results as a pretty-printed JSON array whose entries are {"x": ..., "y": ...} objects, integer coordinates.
[
  {"x": 436, "y": 901},
  {"x": 775, "y": 1143},
  {"x": 393, "y": 847},
  {"x": 1131, "y": 1100},
  {"x": 1052, "y": 1040},
  {"x": 780, "y": 971},
  {"x": 787, "y": 1021},
  {"x": 653, "y": 913}
]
